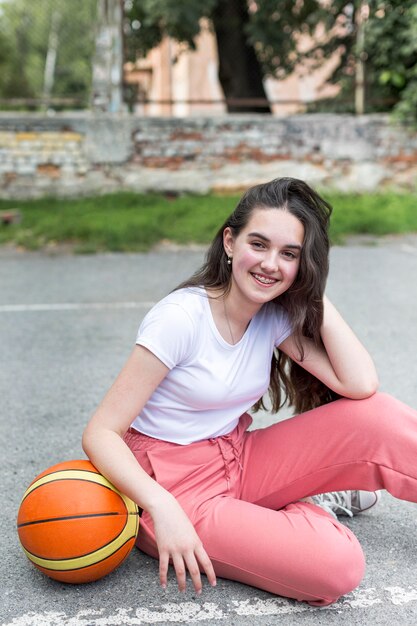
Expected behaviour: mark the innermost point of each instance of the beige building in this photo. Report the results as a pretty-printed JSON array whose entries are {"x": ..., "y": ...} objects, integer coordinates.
[{"x": 178, "y": 82}]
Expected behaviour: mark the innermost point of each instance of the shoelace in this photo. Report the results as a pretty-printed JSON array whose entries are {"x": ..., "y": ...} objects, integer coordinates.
[{"x": 334, "y": 501}]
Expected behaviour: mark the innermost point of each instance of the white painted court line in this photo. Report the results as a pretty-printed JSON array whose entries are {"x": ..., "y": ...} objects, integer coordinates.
[
  {"x": 72, "y": 306},
  {"x": 183, "y": 612}
]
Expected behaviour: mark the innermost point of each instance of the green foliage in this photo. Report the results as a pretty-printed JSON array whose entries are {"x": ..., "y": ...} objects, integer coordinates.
[
  {"x": 25, "y": 29},
  {"x": 147, "y": 21},
  {"x": 275, "y": 28},
  {"x": 132, "y": 222},
  {"x": 14, "y": 27},
  {"x": 391, "y": 36}
]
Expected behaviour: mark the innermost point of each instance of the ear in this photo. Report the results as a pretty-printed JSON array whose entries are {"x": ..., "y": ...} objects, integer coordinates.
[{"x": 228, "y": 241}]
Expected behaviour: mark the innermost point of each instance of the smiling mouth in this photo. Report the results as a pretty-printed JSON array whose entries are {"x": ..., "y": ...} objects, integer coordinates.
[{"x": 264, "y": 279}]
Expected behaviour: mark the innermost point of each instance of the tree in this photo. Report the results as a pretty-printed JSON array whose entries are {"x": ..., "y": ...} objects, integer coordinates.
[
  {"x": 261, "y": 38},
  {"x": 108, "y": 57},
  {"x": 392, "y": 45},
  {"x": 240, "y": 73},
  {"x": 254, "y": 39},
  {"x": 14, "y": 82},
  {"x": 29, "y": 30},
  {"x": 388, "y": 51}
]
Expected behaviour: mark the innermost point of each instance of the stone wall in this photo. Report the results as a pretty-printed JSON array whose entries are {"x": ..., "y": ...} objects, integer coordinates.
[{"x": 82, "y": 153}]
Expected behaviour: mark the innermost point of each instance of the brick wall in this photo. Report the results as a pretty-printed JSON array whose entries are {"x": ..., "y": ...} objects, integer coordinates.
[{"x": 79, "y": 154}]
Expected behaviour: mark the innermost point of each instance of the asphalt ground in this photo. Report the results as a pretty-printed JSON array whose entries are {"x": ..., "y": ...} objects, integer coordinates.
[{"x": 67, "y": 323}]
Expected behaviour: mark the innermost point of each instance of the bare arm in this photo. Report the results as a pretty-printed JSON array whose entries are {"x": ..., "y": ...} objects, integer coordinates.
[
  {"x": 342, "y": 363},
  {"x": 104, "y": 445}
]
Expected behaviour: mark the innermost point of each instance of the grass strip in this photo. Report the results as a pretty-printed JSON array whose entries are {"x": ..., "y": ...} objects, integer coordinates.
[{"x": 131, "y": 222}]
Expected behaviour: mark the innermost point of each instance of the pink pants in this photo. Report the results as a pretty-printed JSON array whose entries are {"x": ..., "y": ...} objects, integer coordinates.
[{"x": 241, "y": 492}]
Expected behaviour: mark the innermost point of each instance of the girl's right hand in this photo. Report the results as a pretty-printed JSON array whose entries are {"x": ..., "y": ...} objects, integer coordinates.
[{"x": 177, "y": 540}]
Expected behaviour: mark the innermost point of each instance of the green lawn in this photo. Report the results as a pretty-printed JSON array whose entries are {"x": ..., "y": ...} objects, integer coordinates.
[{"x": 132, "y": 222}]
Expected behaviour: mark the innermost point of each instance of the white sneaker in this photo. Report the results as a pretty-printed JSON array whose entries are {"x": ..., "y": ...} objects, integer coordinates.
[{"x": 347, "y": 502}]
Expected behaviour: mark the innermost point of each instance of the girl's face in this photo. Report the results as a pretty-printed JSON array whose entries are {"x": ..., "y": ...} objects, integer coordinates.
[{"x": 265, "y": 255}]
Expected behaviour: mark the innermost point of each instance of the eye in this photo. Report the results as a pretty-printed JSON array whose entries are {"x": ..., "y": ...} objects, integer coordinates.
[
  {"x": 258, "y": 245},
  {"x": 289, "y": 254}
]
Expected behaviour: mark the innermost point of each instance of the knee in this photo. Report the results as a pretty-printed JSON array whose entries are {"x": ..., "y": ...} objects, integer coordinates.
[
  {"x": 383, "y": 403},
  {"x": 341, "y": 569},
  {"x": 378, "y": 411}
]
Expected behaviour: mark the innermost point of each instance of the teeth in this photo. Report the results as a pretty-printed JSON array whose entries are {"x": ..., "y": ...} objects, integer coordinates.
[{"x": 266, "y": 281}]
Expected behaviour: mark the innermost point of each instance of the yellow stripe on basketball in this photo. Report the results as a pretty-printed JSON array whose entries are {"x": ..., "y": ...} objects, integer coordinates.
[
  {"x": 80, "y": 475},
  {"x": 129, "y": 531}
]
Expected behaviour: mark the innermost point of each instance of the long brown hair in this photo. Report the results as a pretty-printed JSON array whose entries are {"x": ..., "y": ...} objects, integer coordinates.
[{"x": 303, "y": 300}]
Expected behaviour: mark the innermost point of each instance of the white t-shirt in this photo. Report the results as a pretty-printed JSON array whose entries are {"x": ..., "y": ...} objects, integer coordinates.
[{"x": 210, "y": 382}]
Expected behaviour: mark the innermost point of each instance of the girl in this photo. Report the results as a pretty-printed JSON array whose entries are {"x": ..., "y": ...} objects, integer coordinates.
[{"x": 172, "y": 432}]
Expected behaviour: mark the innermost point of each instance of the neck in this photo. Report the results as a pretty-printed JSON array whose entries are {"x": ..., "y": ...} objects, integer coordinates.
[
  {"x": 232, "y": 337},
  {"x": 237, "y": 314},
  {"x": 238, "y": 308},
  {"x": 231, "y": 322}
]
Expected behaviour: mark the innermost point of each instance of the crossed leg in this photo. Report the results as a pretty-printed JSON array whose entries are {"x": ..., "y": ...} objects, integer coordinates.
[
  {"x": 256, "y": 530},
  {"x": 299, "y": 551}
]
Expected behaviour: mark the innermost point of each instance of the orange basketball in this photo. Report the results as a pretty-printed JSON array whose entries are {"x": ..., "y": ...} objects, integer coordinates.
[{"x": 74, "y": 525}]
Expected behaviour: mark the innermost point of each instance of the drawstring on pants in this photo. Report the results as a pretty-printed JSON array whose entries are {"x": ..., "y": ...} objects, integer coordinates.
[{"x": 227, "y": 445}]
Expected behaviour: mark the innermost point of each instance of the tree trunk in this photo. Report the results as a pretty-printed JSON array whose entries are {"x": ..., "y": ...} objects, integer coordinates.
[
  {"x": 360, "y": 19},
  {"x": 50, "y": 62},
  {"x": 240, "y": 73},
  {"x": 108, "y": 58}
]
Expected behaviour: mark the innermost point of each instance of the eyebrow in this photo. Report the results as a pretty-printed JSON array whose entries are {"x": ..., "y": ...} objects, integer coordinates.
[{"x": 294, "y": 246}]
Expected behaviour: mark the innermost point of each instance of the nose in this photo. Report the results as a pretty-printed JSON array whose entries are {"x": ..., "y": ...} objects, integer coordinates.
[{"x": 270, "y": 262}]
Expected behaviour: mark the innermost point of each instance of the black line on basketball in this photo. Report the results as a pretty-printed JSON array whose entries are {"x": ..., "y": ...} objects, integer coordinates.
[{"x": 68, "y": 517}]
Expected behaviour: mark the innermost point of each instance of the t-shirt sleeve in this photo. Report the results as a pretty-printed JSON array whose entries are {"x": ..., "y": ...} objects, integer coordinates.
[
  {"x": 168, "y": 332},
  {"x": 283, "y": 327}
]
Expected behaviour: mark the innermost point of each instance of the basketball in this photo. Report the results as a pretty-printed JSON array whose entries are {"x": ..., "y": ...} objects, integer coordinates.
[{"x": 74, "y": 525}]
